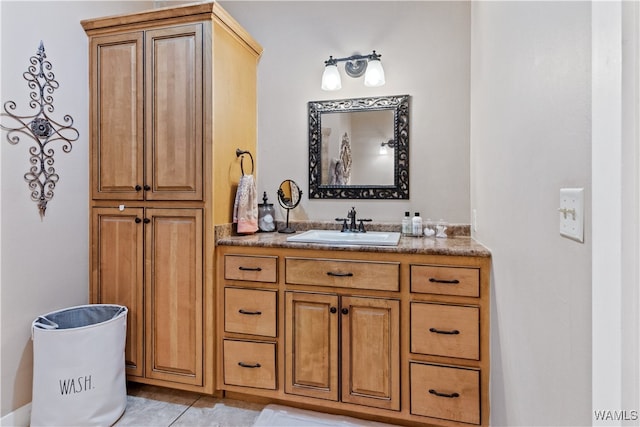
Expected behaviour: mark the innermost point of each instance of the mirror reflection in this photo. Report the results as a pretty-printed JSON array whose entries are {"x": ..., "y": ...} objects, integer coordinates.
[
  {"x": 359, "y": 148},
  {"x": 351, "y": 148}
]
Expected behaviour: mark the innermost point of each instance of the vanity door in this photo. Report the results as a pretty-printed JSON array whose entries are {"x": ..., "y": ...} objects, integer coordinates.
[
  {"x": 311, "y": 331},
  {"x": 371, "y": 352},
  {"x": 117, "y": 147}
]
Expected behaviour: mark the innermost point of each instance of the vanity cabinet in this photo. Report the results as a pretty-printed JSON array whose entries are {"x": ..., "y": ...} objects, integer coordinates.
[
  {"x": 393, "y": 336},
  {"x": 365, "y": 330},
  {"x": 172, "y": 92}
]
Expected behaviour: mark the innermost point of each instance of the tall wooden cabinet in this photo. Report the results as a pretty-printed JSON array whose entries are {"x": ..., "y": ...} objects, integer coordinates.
[{"x": 173, "y": 94}]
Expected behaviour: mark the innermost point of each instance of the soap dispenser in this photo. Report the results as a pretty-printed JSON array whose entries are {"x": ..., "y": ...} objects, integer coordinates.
[
  {"x": 406, "y": 224},
  {"x": 416, "y": 225},
  {"x": 266, "y": 215}
]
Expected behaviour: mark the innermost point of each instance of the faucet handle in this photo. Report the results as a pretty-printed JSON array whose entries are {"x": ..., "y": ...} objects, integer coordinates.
[
  {"x": 344, "y": 224},
  {"x": 361, "y": 226}
]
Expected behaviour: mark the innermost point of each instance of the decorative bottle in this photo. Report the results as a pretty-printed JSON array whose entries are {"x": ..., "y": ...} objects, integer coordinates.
[
  {"x": 266, "y": 218},
  {"x": 406, "y": 224},
  {"x": 416, "y": 225}
]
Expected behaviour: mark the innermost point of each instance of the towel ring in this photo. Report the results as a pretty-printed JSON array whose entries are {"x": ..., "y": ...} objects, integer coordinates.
[{"x": 239, "y": 153}]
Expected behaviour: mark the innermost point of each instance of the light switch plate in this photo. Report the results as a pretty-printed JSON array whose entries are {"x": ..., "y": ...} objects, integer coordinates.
[{"x": 572, "y": 213}]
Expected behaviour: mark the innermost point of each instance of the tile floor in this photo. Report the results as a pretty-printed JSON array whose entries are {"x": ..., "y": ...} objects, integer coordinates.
[{"x": 161, "y": 407}]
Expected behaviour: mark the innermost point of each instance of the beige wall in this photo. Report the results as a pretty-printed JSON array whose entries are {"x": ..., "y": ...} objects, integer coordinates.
[
  {"x": 425, "y": 53},
  {"x": 44, "y": 264},
  {"x": 531, "y": 136}
]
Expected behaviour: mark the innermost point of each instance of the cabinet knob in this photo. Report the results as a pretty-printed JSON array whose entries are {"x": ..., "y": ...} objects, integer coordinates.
[
  {"x": 333, "y": 310},
  {"x": 345, "y": 311},
  {"x": 138, "y": 187},
  {"x": 138, "y": 220},
  {"x": 147, "y": 188},
  {"x": 147, "y": 220}
]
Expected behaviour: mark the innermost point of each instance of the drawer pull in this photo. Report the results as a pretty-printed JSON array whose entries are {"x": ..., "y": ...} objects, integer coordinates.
[
  {"x": 241, "y": 268},
  {"x": 450, "y": 396},
  {"x": 338, "y": 274},
  {"x": 439, "y": 331},
  {"x": 249, "y": 365},
  {"x": 448, "y": 282},
  {"x": 251, "y": 313}
]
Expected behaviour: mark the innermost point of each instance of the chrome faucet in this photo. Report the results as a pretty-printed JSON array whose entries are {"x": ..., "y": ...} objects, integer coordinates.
[{"x": 352, "y": 218}]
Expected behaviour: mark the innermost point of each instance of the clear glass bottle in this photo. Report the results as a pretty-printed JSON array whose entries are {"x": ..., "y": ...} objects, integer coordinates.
[
  {"x": 416, "y": 225},
  {"x": 406, "y": 224},
  {"x": 266, "y": 215}
]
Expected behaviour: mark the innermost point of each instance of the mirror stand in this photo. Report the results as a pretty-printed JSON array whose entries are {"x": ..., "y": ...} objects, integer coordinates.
[
  {"x": 289, "y": 195},
  {"x": 287, "y": 229}
]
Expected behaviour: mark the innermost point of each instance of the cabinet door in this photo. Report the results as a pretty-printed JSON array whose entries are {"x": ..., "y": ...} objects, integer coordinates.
[
  {"x": 174, "y": 295},
  {"x": 173, "y": 109},
  {"x": 116, "y": 272},
  {"x": 311, "y": 325},
  {"x": 117, "y": 117},
  {"x": 371, "y": 352}
]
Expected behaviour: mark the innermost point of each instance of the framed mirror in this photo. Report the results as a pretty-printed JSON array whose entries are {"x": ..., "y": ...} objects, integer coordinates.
[{"x": 359, "y": 148}]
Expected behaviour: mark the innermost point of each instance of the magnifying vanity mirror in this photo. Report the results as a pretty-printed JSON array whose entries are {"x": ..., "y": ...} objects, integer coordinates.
[
  {"x": 359, "y": 148},
  {"x": 289, "y": 195}
]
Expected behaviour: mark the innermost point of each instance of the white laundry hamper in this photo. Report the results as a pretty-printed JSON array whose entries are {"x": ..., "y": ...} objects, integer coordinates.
[{"x": 78, "y": 366}]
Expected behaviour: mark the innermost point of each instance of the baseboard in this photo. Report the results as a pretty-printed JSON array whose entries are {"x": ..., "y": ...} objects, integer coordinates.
[{"x": 21, "y": 417}]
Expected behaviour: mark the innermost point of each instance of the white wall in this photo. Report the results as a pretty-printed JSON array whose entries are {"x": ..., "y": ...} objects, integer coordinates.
[
  {"x": 630, "y": 206},
  {"x": 531, "y": 136},
  {"x": 425, "y": 53},
  {"x": 616, "y": 210},
  {"x": 44, "y": 262}
]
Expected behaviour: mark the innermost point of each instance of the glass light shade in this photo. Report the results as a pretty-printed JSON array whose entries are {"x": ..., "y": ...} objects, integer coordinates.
[
  {"x": 375, "y": 74},
  {"x": 331, "y": 78},
  {"x": 383, "y": 150}
]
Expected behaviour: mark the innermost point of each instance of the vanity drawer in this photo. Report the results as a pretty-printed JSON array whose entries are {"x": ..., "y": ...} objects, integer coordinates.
[
  {"x": 383, "y": 276},
  {"x": 250, "y": 364},
  {"x": 250, "y": 311},
  {"x": 251, "y": 268},
  {"x": 445, "y": 330},
  {"x": 434, "y": 279},
  {"x": 445, "y": 392}
]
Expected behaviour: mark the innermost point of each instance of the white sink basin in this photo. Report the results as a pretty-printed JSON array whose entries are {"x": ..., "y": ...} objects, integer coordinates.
[{"x": 335, "y": 237}]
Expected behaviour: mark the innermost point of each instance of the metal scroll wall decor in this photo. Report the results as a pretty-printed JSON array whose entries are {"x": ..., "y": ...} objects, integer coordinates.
[{"x": 41, "y": 128}]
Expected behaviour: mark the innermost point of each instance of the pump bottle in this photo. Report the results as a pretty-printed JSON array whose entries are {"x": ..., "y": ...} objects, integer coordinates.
[
  {"x": 406, "y": 224},
  {"x": 416, "y": 225}
]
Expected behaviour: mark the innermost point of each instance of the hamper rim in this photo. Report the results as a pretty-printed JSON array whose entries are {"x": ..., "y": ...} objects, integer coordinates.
[{"x": 79, "y": 328}]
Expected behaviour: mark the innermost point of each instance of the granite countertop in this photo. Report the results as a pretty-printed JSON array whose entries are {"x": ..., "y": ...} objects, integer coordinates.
[{"x": 459, "y": 245}]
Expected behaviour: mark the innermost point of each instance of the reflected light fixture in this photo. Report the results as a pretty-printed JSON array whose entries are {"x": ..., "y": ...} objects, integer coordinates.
[
  {"x": 355, "y": 66},
  {"x": 383, "y": 146}
]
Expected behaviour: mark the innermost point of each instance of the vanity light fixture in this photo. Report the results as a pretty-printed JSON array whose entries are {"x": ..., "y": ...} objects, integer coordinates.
[
  {"x": 383, "y": 146},
  {"x": 355, "y": 66}
]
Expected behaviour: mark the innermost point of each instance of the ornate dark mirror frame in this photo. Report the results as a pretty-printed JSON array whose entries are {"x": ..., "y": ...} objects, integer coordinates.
[{"x": 400, "y": 188}]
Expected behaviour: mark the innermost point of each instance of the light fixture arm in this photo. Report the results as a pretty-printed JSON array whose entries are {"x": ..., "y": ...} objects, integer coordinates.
[{"x": 356, "y": 64}]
